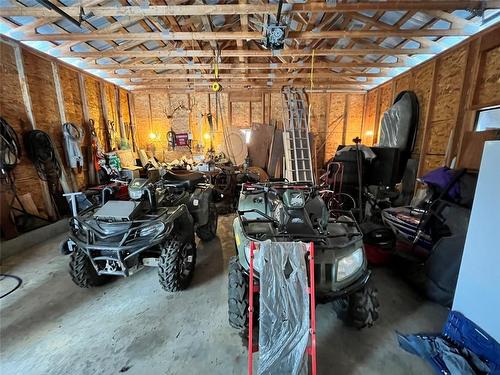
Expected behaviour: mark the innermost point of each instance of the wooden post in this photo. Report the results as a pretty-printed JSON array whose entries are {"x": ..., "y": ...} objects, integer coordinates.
[
  {"x": 62, "y": 116},
  {"x": 47, "y": 198}
]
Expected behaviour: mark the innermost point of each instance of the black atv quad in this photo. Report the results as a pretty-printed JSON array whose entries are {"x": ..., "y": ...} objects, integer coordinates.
[
  {"x": 288, "y": 212},
  {"x": 155, "y": 228}
]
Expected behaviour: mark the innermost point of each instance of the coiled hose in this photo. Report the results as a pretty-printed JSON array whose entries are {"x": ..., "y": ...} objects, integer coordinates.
[{"x": 10, "y": 150}]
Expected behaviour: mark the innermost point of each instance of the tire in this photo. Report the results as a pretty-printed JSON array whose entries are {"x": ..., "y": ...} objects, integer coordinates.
[
  {"x": 176, "y": 265},
  {"x": 237, "y": 296},
  {"x": 208, "y": 231},
  {"x": 82, "y": 271},
  {"x": 359, "y": 309}
]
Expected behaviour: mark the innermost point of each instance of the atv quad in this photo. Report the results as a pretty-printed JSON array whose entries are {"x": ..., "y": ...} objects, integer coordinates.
[
  {"x": 295, "y": 212},
  {"x": 155, "y": 228}
]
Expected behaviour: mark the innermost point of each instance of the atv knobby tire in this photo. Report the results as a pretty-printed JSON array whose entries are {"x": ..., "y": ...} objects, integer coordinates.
[
  {"x": 237, "y": 295},
  {"x": 82, "y": 271},
  {"x": 176, "y": 265},
  {"x": 359, "y": 309},
  {"x": 208, "y": 231}
]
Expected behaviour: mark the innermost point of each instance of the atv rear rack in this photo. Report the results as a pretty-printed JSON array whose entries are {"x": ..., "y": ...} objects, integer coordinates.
[{"x": 255, "y": 288}]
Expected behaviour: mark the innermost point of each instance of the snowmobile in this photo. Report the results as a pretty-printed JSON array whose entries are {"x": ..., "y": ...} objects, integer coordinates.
[
  {"x": 155, "y": 228},
  {"x": 284, "y": 212}
]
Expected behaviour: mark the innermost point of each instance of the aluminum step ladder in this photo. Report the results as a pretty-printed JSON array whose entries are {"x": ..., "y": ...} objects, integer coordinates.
[{"x": 297, "y": 145}]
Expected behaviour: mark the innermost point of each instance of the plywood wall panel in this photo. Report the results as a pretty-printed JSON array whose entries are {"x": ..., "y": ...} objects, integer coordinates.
[
  {"x": 276, "y": 109},
  {"x": 370, "y": 117},
  {"x": 124, "y": 106},
  {"x": 71, "y": 93},
  {"x": 12, "y": 109},
  {"x": 257, "y": 113},
  {"x": 488, "y": 89},
  {"x": 95, "y": 109},
  {"x": 335, "y": 128},
  {"x": 422, "y": 88},
  {"x": 449, "y": 76},
  {"x": 402, "y": 83},
  {"x": 74, "y": 114},
  {"x": 355, "y": 105},
  {"x": 43, "y": 97},
  {"x": 240, "y": 115},
  {"x": 318, "y": 122},
  {"x": 143, "y": 120},
  {"x": 432, "y": 162}
]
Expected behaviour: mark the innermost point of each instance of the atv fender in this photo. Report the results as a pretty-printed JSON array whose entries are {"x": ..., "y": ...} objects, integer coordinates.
[
  {"x": 199, "y": 204},
  {"x": 183, "y": 222}
]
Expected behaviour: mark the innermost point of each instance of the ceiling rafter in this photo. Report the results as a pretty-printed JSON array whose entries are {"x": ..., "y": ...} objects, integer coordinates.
[
  {"x": 173, "y": 42},
  {"x": 231, "y": 9}
]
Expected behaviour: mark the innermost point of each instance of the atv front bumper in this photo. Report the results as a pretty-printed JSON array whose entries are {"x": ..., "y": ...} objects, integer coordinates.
[{"x": 113, "y": 259}]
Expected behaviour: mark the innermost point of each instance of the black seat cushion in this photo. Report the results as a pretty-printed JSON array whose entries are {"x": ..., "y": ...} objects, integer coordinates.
[{"x": 184, "y": 180}]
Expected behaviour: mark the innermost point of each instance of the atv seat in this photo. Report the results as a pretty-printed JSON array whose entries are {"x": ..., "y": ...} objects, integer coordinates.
[{"x": 184, "y": 180}]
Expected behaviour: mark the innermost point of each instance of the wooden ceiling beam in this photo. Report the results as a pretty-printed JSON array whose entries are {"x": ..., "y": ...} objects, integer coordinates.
[
  {"x": 226, "y": 85},
  {"x": 417, "y": 37},
  {"x": 242, "y": 66},
  {"x": 231, "y": 9},
  {"x": 177, "y": 76},
  {"x": 241, "y": 35},
  {"x": 249, "y": 53}
]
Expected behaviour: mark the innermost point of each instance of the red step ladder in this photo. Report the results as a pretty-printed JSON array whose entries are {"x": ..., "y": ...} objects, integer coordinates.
[{"x": 311, "y": 349}]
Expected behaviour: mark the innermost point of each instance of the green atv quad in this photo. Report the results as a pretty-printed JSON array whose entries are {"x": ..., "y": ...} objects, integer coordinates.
[
  {"x": 286, "y": 212},
  {"x": 155, "y": 228}
]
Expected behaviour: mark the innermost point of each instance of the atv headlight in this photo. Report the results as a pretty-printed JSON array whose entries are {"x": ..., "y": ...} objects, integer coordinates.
[
  {"x": 349, "y": 264},
  {"x": 152, "y": 230}
]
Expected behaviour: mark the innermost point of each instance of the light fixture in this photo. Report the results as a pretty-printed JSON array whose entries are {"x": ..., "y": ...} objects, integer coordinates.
[
  {"x": 152, "y": 136},
  {"x": 369, "y": 133},
  {"x": 206, "y": 136}
]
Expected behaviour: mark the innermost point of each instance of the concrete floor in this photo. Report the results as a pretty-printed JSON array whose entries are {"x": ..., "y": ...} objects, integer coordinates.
[{"x": 50, "y": 326}]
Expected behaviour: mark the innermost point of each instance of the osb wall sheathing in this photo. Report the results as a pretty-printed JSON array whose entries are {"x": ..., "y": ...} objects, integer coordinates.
[
  {"x": 402, "y": 83},
  {"x": 74, "y": 114},
  {"x": 318, "y": 122},
  {"x": 355, "y": 106},
  {"x": 446, "y": 114},
  {"x": 336, "y": 121},
  {"x": 488, "y": 90},
  {"x": 95, "y": 110},
  {"x": 112, "y": 114},
  {"x": 449, "y": 77},
  {"x": 256, "y": 113},
  {"x": 124, "y": 107},
  {"x": 13, "y": 111},
  {"x": 240, "y": 114},
  {"x": 276, "y": 109},
  {"x": 40, "y": 80},
  {"x": 422, "y": 88},
  {"x": 370, "y": 117}
]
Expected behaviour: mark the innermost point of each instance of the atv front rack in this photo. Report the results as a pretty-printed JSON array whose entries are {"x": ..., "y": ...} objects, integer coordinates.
[
  {"x": 255, "y": 288},
  {"x": 353, "y": 236}
]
